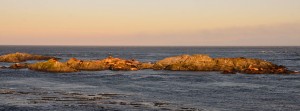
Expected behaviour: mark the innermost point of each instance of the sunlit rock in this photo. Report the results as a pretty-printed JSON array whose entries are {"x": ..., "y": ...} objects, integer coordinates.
[
  {"x": 198, "y": 62},
  {"x": 22, "y": 57},
  {"x": 117, "y": 64},
  {"x": 51, "y": 65},
  {"x": 186, "y": 63},
  {"x": 92, "y": 65},
  {"x": 226, "y": 65},
  {"x": 109, "y": 63}
]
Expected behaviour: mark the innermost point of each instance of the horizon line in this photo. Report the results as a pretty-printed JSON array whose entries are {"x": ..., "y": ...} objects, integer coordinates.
[{"x": 159, "y": 45}]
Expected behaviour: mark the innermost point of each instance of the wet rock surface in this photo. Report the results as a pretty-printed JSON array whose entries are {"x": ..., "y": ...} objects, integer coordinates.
[
  {"x": 22, "y": 57},
  {"x": 19, "y": 66},
  {"x": 3, "y": 67}
]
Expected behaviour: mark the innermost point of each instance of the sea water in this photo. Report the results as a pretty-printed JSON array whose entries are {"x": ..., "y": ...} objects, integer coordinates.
[{"x": 149, "y": 89}]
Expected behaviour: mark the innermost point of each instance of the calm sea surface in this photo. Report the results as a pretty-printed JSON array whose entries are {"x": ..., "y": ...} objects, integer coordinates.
[{"x": 148, "y": 89}]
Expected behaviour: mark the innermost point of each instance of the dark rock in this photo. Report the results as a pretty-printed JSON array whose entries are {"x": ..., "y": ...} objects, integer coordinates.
[
  {"x": 3, "y": 67},
  {"x": 159, "y": 104},
  {"x": 7, "y": 91},
  {"x": 294, "y": 72},
  {"x": 229, "y": 72},
  {"x": 19, "y": 66},
  {"x": 22, "y": 57},
  {"x": 123, "y": 103}
]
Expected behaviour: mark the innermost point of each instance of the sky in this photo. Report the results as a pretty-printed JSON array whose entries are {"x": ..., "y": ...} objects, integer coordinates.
[{"x": 150, "y": 22}]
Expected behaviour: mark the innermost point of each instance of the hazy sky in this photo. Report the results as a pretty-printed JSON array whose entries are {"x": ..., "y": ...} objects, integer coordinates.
[{"x": 150, "y": 22}]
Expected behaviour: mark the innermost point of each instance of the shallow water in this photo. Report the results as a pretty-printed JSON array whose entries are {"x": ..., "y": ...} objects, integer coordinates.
[{"x": 148, "y": 89}]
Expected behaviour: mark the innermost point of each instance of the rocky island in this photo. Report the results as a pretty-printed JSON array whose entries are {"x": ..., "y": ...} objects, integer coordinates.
[
  {"x": 22, "y": 57},
  {"x": 198, "y": 62},
  {"x": 74, "y": 65}
]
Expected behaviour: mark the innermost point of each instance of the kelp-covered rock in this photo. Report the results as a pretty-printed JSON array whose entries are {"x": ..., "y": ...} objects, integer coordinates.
[
  {"x": 226, "y": 65},
  {"x": 22, "y": 57},
  {"x": 19, "y": 66},
  {"x": 51, "y": 65},
  {"x": 93, "y": 65}
]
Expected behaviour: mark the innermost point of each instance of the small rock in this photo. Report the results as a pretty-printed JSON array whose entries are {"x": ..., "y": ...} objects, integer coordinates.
[
  {"x": 3, "y": 67},
  {"x": 229, "y": 72},
  {"x": 18, "y": 66},
  {"x": 7, "y": 91}
]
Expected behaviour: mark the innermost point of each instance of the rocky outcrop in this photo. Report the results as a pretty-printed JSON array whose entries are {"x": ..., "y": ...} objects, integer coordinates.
[
  {"x": 51, "y": 65},
  {"x": 110, "y": 63},
  {"x": 198, "y": 62},
  {"x": 73, "y": 65},
  {"x": 117, "y": 64},
  {"x": 22, "y": 57},
  {"x": 94, "y": 65},
  {"x": 226, "y": 65},
  {"x": 186, "y": 63}
]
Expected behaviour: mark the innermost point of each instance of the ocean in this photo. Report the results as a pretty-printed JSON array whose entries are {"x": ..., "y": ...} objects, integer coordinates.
[{"x": 151, "y": 90}]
